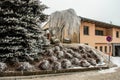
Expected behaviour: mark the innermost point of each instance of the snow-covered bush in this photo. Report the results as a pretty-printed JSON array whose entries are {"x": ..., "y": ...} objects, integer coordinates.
[
  {"x": 77, "y": 55},
  {"x": 60, "y": 54},
  {"x": 3, "y": 66},
  {"x": 84, "y": 63},
  {"x": 70, "y": 51},
  {"x": 57, "y": 48},
  {"x": 75, "y": 61},
  {"x": 84, "y": 56},
  {"x": 66, "y": 64},
  {"x": 92, "y": 61},
  {"x": 52, "y": 59},
  {"x": 12, "y": 61},
  {"x": 25, "y": 66},
  {"x": 68, "y": 55},
  {"x": 56, "y": 65},
  {"x": 93, "y": 53},
  {"x": 44, "y": 65},
  {"x": 50, "y": 52},
  {"x": 82, "y": 51}
]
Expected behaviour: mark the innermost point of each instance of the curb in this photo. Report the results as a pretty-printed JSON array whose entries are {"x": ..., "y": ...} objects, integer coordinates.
[{"x": 29, "y": 75}]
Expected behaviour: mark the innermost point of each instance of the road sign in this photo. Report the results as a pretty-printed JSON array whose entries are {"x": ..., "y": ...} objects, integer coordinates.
[{"x": 109, "y": 38}]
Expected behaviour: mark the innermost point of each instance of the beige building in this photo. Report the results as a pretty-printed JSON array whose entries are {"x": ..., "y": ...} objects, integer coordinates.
[{"x": 94, "y": 33}]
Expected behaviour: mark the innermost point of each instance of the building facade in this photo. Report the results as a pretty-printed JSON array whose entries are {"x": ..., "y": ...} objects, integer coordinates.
[{"x": 94, "y": 33}]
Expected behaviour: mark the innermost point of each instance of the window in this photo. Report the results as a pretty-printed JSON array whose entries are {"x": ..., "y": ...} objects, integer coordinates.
[
  {"x": 117, "y": 34},
  {"x": 105, "y": 49},
  {"x": 101, "y": 48},
  {"x": 95, "y": 47},
  {"x": 86, "y": 43},
  {"x": 86, "y": 30},
  {"x": 99, "y": 32},
  {"x": 109, "y": 48}
]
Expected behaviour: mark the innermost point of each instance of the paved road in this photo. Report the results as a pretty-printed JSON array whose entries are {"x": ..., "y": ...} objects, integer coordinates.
[{"x": 90, "y": 75}]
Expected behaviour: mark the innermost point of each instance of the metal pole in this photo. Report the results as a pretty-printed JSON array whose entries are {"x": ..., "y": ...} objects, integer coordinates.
[{"x": 109, "y": 44}]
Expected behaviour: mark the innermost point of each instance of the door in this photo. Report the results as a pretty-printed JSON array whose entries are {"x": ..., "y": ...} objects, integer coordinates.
[{"x": 117, "y": 50}]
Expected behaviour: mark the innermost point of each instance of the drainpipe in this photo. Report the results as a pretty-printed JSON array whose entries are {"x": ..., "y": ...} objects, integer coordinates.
[{"x": 79, "y": 29}]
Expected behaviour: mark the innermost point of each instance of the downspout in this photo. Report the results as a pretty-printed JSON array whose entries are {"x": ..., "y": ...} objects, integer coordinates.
[{"x": 79, "y": 29}]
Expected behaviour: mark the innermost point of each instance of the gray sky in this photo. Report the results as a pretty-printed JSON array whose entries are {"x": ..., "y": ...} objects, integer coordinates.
[{"x": 102, "y": 10}]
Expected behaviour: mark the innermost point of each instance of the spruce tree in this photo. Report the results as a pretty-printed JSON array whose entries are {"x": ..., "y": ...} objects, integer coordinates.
[{"x": 20, "y": 34}]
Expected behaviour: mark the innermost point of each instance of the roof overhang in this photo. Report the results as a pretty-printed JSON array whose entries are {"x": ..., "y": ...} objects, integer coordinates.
[{"x": 99, "y": 23}]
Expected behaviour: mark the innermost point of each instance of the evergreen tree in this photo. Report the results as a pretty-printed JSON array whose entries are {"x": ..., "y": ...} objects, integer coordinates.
[{"x": 20, "y": 35}]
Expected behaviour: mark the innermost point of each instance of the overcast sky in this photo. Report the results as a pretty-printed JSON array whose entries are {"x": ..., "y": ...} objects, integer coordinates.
[{"x": 102, "y": 10}]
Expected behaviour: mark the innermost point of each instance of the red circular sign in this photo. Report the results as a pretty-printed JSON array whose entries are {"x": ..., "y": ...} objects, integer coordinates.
[{"x": 109, "y": 38}]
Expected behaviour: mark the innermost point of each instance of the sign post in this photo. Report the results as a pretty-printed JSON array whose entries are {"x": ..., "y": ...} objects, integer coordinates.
[{"x": 109, "y": 39}]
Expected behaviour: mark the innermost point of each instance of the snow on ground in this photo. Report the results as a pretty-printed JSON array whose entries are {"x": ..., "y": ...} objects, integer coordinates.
[{"x": 116, "y": 61}]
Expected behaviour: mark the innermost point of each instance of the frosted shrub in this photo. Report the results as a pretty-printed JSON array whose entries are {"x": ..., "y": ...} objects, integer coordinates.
[
  {"x": 57, "y": 48},
  {"x": 3, "y": 66},
  {"x": 70, "y": 51},
  {"x": 84, "y": 63},
  {"x": 66, "y": 64},
  {"x": 52, "y": 59},
  {"x": 68, "y": 55},
  {"x": 75, "y": 61},
  {"x": 84, "y": 56},
  {"x": 77, "y": 55},
  {"x": 64, "y": 19},
  {"x": 60, "y": 54},
  {"x": 44, "y": 65},
  {"x": 50, "y": 52},
  {"x": 92, "y": 61},
  {"x": 56, "y": 65},
  {"x": 25, "y": 66}
]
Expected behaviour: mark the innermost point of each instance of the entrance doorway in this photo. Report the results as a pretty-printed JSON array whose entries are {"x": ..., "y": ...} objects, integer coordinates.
[{"x": 117, "y": 50}]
